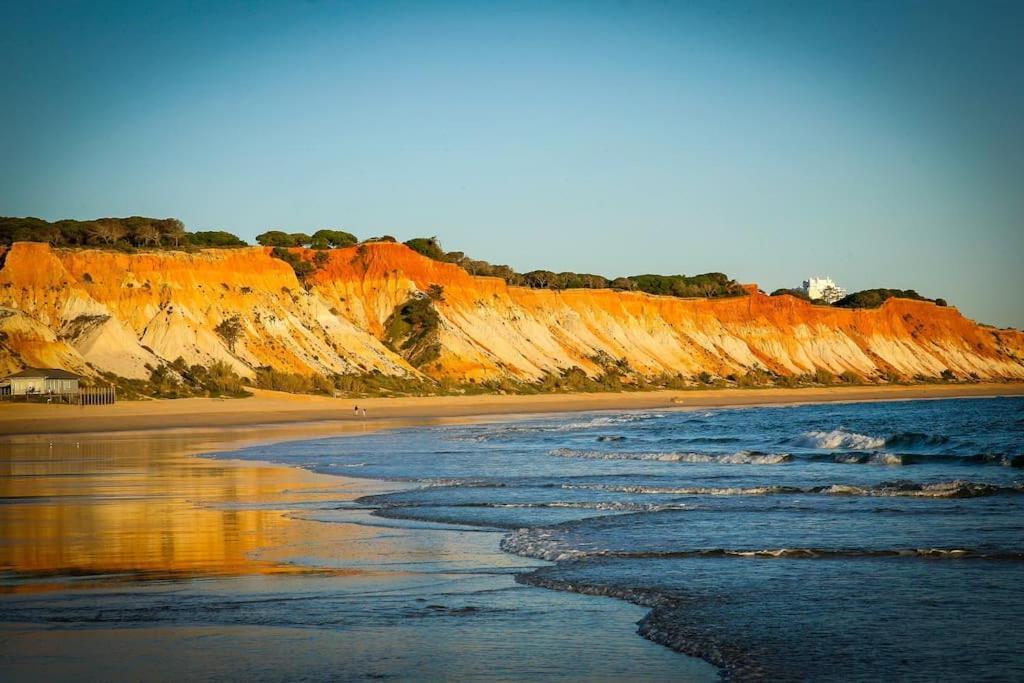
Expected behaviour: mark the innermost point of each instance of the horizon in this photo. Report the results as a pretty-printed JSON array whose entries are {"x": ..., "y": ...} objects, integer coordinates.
[{"x": 881, "y": 145}]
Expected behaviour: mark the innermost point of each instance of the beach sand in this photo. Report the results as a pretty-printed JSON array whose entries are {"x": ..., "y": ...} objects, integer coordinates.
[
  {"x": 275, "y": 408},
  {"x": 127, "y": 557}
]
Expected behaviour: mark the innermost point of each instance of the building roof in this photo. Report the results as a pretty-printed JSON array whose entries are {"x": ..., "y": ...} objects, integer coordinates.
[{"x": 45, "y": 373}]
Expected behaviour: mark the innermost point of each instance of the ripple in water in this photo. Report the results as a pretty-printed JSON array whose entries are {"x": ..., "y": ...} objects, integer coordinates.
[{"x": 746, "y": 531}]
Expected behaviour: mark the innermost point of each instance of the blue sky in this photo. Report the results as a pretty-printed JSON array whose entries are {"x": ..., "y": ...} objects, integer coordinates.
[{"x": 881, "y": 143}]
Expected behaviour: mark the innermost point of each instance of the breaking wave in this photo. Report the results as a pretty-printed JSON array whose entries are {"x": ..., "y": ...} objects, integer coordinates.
[
  {"x": 548, "y": 545},
  {"x": 689, "y": 490},
  {"x": 838, "y": 438},
  {"x": 957, "y": 488},
  {"x": 515, "y": 430},
  {"x": 901, "y": 459},
  {"x": 738, "y": 458},
  {"x": 608, "y": 506}
]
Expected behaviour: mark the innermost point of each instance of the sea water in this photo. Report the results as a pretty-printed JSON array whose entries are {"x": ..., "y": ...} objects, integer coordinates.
[{"x": 827, "y": 542}]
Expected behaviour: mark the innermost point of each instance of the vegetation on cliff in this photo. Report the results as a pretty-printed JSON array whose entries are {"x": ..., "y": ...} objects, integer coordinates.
[
  {"x": 321, "y": 239},
  {"x": 139, "y": 232},
  {"x": 135, "y": 231},
  {"x": 873, "y": 298},
  {"x": 794, "y": 291},
  {"x": 123, "y": 234},
  {"x": 867, "y": 298},
  {"x": 708, "y": 285},
  {"x": 300, "y": 266},
  {"x": 411, "y": 331},
  {"x": 180, "y": 380},
  {"x": 382, "y": 320},
  {"x": 215, "y": 239}
]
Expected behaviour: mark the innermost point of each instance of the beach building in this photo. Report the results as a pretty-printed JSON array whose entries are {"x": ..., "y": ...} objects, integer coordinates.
[
  {"x": 823, "y": 288},
  {"x": 40, "y": 381}
]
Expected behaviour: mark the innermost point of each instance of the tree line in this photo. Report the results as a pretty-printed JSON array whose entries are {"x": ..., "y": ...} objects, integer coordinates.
[
  {"x": 708, "y": 285},
  {"x": 169, "y": 233},
  {"x": 866, "y": 298},
  {"x": 117, "y": 233}
]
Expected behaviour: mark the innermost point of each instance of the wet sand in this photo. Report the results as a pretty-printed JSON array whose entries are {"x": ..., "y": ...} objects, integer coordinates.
[
  {"x": 274, "y": 408},
  {"x": 124, "y": 556}
]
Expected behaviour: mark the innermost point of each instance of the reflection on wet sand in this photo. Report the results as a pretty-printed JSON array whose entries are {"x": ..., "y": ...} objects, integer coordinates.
[
  {"x": 200, "y": 569},
  {"x": 140, "y": 506}
]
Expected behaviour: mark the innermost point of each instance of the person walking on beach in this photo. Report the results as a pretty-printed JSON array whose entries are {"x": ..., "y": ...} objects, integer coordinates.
[
  {"x": 364, "y": 412},
  {"x": 355, "y": 411}
]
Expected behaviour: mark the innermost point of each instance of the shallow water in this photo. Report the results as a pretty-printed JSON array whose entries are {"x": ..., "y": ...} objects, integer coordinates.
[
  {"x": 122, "y": 558},
  {"x": 829, "y": 542}
]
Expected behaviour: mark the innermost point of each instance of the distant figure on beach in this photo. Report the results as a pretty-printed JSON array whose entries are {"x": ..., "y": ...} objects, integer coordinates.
[
  {"x": 355, "y": 410},
  {"x": 364, "y": 412}
]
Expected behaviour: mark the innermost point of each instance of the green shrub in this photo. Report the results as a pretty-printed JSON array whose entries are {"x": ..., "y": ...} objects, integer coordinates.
[
  {"x": 873, "y": 298},
  {"x": 892, "y": 376},
  {"x": 164, "y": 384},
  {"x": 412, "y": 331},
  {"x": 215, "y": 239},
  {"x": 790, "y": 381},
  {"x": 822, "y": 376},
  {"x": 377, "y": 384},
  {"x": 220, "y": 380},
  {"x": 300, "y": 266},
  {"x": 117, "y": 233},
  {"x": 335, "y": 238},
  {"x": 755, "y": 377},
  {"x": 427, "y": 246},
  {"x": 276, "y": 380},
  {"x": 279, "y": 238},
  {"x": 707, "y": 285},
  {"x": 797, "y": 292},
  {"x": 230, "y": 329},
  {"x": 851, "y": 377}
]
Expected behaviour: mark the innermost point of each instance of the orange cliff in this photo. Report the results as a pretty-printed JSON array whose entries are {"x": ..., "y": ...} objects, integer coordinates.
[{"x": 94, "y": 310}]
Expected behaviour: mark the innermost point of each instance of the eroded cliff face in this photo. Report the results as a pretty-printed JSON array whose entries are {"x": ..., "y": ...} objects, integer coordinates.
[{"x": 91, "y": 310}]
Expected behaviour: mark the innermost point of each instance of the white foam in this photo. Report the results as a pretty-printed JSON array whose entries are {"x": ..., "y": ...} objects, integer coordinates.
[
  {"x": 738, "y": 458},
  {"x": 684, "y": 490},
  {"x": 838, "y": 438}
]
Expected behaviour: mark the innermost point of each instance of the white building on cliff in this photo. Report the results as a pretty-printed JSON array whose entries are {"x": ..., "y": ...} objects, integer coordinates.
[{"x": 823, "y": 288}]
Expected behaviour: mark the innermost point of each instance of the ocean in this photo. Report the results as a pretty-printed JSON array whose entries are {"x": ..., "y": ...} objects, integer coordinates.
[{"x": 857, "y": 541}]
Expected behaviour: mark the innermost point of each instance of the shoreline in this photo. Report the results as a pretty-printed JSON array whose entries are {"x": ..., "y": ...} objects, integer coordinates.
[
  {"x": 249, "y": 527},
  {"x": 282, "y": 536},
  {"x": 276, "y": 409}
]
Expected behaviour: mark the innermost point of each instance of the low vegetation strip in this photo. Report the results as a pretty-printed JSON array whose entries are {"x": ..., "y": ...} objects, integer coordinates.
[{"x": 139, "y": 232}]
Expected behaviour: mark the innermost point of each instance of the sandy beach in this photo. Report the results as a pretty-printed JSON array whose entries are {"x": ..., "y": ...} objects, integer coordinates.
[
  {"x": 274, "y": 408},
  {"x": 220, "y": 568},
  {"x": 112, "y": 500}
]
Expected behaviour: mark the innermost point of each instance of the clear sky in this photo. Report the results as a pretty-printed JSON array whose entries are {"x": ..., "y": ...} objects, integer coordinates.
[{"x": 880, "y": 143}]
